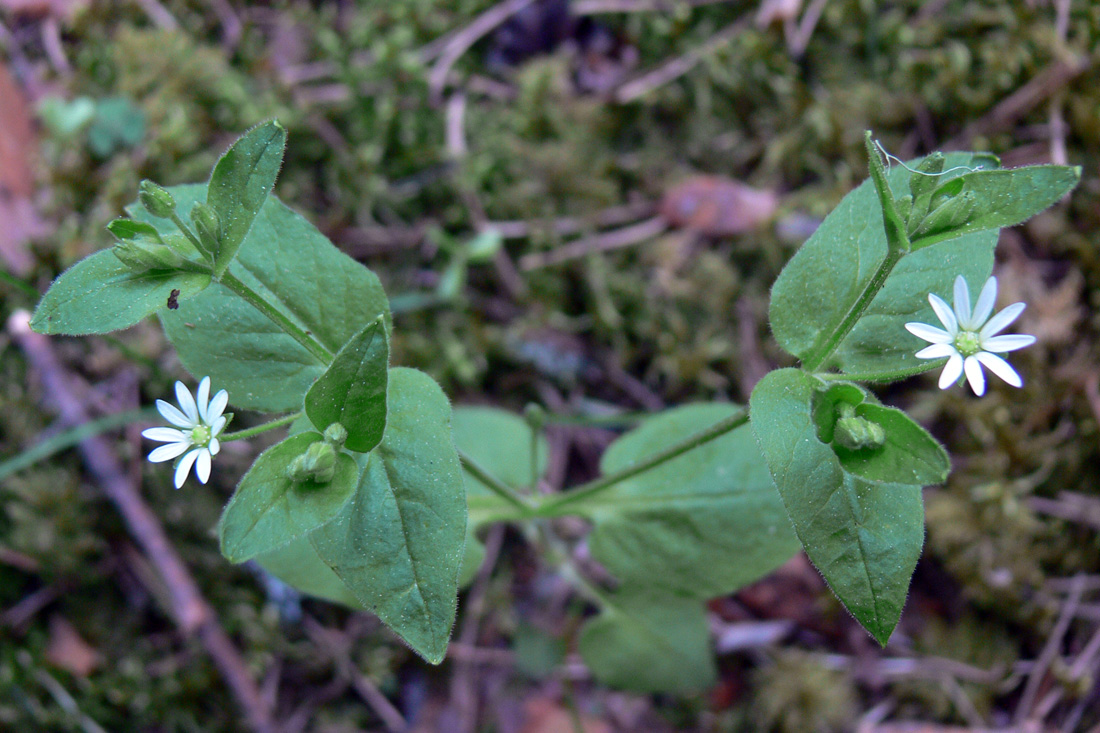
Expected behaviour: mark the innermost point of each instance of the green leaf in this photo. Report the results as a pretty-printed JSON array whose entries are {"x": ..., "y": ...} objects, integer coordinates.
[
  {"x": 701, "y": 525},
  {"x": 864, "y": 536},
  {"x": 352, "y": 391},
  {"x": 298, "y": 565},
  {"x": 398, "y": 545},
  {"x": 100, "y": 294},
  {"x": 909, "y": 456},
  {"x": 1004, "y": 198},
  {"x": 650, "y": 643},
  {"x": 240, "y": 183},
  {"x": 502, "y": 444},
  {"x": 129, "y": 229},
  {"x": 821, "y": 282},
  {"x": 269, "y": 510},
  {"x": 297, "y": 269}
]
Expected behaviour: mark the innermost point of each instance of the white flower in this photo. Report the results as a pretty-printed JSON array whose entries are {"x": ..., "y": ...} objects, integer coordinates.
[
  {"x": 970, "y": 338},
  {"x": 199, "y": 421}
]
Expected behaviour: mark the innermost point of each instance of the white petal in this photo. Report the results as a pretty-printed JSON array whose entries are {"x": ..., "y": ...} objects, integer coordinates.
[
  {"x": 929, "y": 333},
  {"x": 986, "y": 299},
  {"x": 974, "y": 375},
  {"x": 185, "y": 465},
  {"x": 202, "y": 466},
  {"x": 944, "y": 313},
  {"x": 1008, "y": 342},
  {"x": 214, "y": 446},
  {"x": 165, "y": 435},
  {"x": 951, "y": 371},
  {"x": 218, "y": 426},
  {"x": 202, "y": 398},
  {"x": 1000, "y": 367},
  {"x": 936, "y": 351},
  {"x": 1002, "y": 320},
  {"x": 217, "y": 406},
  {"x": 962, "y": 302},
  {"x": 172, "y": 414},
  {"x": 187, "y": 403},
  {"x": 168, "y": 452}
]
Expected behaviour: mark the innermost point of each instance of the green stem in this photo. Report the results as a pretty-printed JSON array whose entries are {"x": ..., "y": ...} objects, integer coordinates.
[
  {"x": 495, "y": 485},
  {"x": 825, "y": 349},
  {"x": 256, "y": 430},
  {"x": 554, "y": 505},
  {"x": 175, "y": 219},
  {"x": 311, "y": 344}
]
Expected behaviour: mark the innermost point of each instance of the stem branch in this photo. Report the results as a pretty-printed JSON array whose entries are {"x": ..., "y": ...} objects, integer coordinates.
[
  {"x": 257, "y": 429},
  {"x": 495, "y": 485}
]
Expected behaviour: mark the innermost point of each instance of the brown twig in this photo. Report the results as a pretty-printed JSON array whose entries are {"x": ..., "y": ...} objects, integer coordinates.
[
  {"x": 801, "y": 38},
  {"x": 193, "y": 614},
  {"x": 455, "y": 45},
  {"x": 611, "y": 216},
  {"x": 617, "y": 239},
  {"x": 1049, "y": 653},
  {"x": 677, "y": 67},
  {"x": 599, "y": 7}
]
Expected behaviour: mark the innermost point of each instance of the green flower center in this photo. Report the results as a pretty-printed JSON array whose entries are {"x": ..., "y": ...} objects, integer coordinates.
[
  {"x": 200, "y": 435},
  {"x": 968, "y": 343}
]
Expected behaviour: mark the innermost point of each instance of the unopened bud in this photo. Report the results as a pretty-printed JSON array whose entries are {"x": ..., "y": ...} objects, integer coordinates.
[
  {"x": 207, "y": 227},
  {"x": 858, "y": 433},
  {"x": 143, "y": 254},
  {"x": 336, "y": 434},
  {"x": 927, "y": 175},
  {"x": 317, "y": 464},
  {"x": 156, "y": 199},
  {"x": 952, "y": 214}
]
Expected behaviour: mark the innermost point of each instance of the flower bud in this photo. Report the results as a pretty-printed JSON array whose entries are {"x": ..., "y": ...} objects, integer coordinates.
[
  {"x": 926, "y": 177},
  {"x": 317, "y": 464},
  {"x": 143, "y": 254},
  {"x": 858, "y": 433},
  {"x": 952, "y": 214},
  {"x": 336, "y": 434},
  {"x": 207, "y": 227},
  {"x": 156, "y": 199}
]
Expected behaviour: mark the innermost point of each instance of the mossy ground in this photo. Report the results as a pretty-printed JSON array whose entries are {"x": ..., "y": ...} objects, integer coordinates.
[{"x": 677, "y": 317}]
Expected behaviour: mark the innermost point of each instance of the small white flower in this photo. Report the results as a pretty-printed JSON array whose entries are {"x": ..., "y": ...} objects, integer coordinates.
[
  {"x": 970, "y": 338},
  {"x": 199, "y": 421}
]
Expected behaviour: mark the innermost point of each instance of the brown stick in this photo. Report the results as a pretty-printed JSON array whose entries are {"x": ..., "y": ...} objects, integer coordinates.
[
  {"x": 616, "y": 239},
  {"x": 194, "y": 616},
  {"x": 457, "y": 44}
]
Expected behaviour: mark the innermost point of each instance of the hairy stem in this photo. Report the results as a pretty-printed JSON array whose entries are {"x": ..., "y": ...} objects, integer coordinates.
[
  {"x": 256, "y": 430},
  {"x": 495, "y": 485},
  {"x": 311, "y": 344}
]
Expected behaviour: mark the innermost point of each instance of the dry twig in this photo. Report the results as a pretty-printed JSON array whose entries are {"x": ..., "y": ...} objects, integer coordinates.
[
  {"x": 454, "y": 46},
  {"x": 617, "y": 239}
]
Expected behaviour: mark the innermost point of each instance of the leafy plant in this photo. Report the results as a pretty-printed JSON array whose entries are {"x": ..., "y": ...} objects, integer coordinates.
[{"x": 378, "y": 497}]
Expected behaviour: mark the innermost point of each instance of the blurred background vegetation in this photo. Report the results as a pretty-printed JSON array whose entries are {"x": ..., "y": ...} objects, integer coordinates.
[{"x": 650, "y": 166}]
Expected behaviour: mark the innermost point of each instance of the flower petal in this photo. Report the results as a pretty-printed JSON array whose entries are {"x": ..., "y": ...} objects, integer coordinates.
[
  {"x": 1000, "y": 367},
  {"x": 172, "y": 414},
  {"x": 1008, "y": 342},
  {"x": 165, "y": 435},
  {"x": 214, "y": 446},
  {"x": 944, "y": 313},
  {"x": 168, "y": 451},
  {"x": 974, "y": 375},
  {"x": 187, "y": 403},
  {"x": 185, "y": 465},
  {"x": 986, "y": 300},
  {"x": 929, "y": 333},
  {"x": 218, "y": 426},
  {"x": 202, "y": 466},
  {"x": 962, "y": 302},
  {"x": 1002, "y": 320},
  {"x": 202, "y": 397},
  {"x": 217, "y": 406},
  {"x": 936, "y": 351},
  {"x": 951, "y": 371}
]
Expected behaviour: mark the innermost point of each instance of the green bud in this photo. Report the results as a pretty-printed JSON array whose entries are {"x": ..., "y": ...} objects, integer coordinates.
[
  {"x": 858, "y": 433},
  {"x": 207, "y": 227},
  {"x": 952, "y": 214},
  {"x": 317, "y": 464},
  {"x": 182, "y": 246},
  {"x": 926, "y": 177},
  {"x": 949, "y": 190},
  {"x": 156, "y": 199},
  {"x": 336, "y": 434},
  {"x": 143, "y": 254},
  {"x": 905, "y": 207}
]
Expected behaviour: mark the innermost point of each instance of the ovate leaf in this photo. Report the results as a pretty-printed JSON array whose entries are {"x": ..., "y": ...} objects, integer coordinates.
[
  {"x": 647, "y": 642},
  {"x": 864, "y": 537},
  {"x": 352, "y": 391},
  {"x": 270, "y": 510},
  {"x": 240, "y": 183},
  {"x": 701, "y": 525},
  {"x": 100, "y": 294},
  {"x": 299, "y": 566},
  {"x": 303, "y": 275},
  {"x": 398, "y": 544}
]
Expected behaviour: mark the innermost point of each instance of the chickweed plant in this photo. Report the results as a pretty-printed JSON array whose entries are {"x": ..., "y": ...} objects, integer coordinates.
[{"x": 379, "y": 495}]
